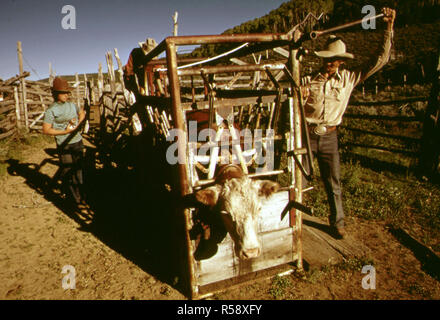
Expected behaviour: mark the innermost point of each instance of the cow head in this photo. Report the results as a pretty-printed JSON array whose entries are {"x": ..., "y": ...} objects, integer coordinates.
[{"x": 239, "y": 201}]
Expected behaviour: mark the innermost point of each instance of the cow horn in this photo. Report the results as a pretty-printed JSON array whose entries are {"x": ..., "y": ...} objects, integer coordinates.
[{"x": 228, "y": 172}]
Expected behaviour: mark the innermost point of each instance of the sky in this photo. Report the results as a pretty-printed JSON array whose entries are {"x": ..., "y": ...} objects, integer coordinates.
[{"x": 49, "y": 34}]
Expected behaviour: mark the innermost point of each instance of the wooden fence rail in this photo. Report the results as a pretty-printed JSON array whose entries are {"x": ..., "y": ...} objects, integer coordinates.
[{"x": 400, "y": 133}]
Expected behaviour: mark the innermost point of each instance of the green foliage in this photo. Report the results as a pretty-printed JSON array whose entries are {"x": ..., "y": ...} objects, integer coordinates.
[
  {"x": 384, "y": 196},
  {"x": 279, "y": 286},
  {"x": 279, "y": 20},
  {"x": 354, "y": 264},
  {"x": 337, "y": 12}
]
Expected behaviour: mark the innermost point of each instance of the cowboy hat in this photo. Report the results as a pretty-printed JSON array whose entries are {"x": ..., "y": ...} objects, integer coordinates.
[
  {"x": 148, "y": 45},
  {"x": 335, "y": 47},
  {"x": 60, "y": 85}
]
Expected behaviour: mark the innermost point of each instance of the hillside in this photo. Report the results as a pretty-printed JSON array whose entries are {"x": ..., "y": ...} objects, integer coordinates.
[{"x": 417, "y": 32}]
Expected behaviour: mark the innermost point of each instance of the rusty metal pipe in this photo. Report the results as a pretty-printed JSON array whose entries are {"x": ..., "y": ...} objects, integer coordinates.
[
  {"x": 228, "y": 38},
  {"x": 212, "y": 39},
  {"x": 229, "y": 69},
  {"x": 316, "y": 34},
  {"x": 163, "y": 61}
]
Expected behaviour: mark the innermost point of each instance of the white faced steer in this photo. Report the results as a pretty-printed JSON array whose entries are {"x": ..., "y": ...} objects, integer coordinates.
[{"x": 239, "y": 202}]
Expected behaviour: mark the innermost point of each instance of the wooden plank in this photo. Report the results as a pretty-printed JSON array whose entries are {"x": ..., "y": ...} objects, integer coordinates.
[
  {"x": 276, "y": 248},
  {"x": 6, "y": 88},
  {"x": 17, "y": 77},
  {"x": 8, "y": 107},
  {"x": 270, "y": 215},
  {"x": 8, "y": 126},
  {"x": 212, "y": 288},
  {"x": 282, "y": 52},
  {"x": 388, "y": 102},
  {"x": 320, "y": 248},
  {"x": 37, "y": 91},
  {"x": 7, "y": 134},
  {"x": 219, "y": 267},
  {"x": 317, "y": 252}
]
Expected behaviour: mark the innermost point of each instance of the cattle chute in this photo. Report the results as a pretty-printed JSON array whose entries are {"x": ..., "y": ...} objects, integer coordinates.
[{"x": 262, "y": 120}]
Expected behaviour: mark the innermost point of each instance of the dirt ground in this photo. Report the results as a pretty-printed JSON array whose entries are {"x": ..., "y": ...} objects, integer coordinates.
[{"x": 121, "y": 250}]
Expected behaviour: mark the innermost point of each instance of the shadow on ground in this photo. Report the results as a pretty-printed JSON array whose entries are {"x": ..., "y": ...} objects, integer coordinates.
[
  {"x": 130, "y": 212},
  {"x": 429, "y": 261}
]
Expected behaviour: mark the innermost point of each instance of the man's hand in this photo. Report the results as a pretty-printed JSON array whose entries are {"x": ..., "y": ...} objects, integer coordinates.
[{"x": 389, "y": 16}]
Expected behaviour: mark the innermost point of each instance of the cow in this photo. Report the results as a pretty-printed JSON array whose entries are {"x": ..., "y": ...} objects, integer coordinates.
[{"x": 237, "y": 199}]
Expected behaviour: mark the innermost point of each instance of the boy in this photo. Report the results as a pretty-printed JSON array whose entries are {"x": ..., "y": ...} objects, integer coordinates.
[{"x": 61, "y": 120}]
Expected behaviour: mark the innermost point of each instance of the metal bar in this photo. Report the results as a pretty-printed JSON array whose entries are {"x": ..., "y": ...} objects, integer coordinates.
[
  {"x": 230, "y": 102},
  {"x": 205, "y": 182},
  {"x": 304, "y": 124},
  {"x": 315, "y": 34},
  {"x": 297, "y": 206},
  {"x": 231, "y": 38},
  {"x": 163, "y": 61},
  {"x": 183, "y": 186},
  {"x": 273, "y": 79},
  {"x": 282, "y": 39},
  {"x": 231, "y": 69},
  {"x": 177, "y": 114},
  {"x": 295, "y": 195}
]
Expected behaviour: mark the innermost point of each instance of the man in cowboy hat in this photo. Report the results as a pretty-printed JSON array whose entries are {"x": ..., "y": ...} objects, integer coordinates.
[
  {"x": 62, "y": 120},
  {"x": 327, "y": 95},
  {"x": 135, "y": 67}
]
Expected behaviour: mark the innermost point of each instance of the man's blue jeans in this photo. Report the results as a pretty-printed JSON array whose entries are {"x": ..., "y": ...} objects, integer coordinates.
[{"x": 325, "y": 150}]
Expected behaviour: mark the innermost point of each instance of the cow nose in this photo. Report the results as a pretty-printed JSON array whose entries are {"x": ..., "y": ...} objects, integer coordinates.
[{"x": 251, "y": 253}]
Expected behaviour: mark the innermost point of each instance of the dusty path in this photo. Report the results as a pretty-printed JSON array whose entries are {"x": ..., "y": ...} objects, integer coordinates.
[{"x": 123, "y": 252}]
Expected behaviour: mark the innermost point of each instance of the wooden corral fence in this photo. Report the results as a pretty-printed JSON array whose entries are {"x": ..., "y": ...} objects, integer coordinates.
[
  {"x": 393, "y": 126},
  {"x": 23, "y": 102},
  {"x": 22, "y": 108},
  {"x": 409, "y": 127},
  {"x": 25, "y": 108}
]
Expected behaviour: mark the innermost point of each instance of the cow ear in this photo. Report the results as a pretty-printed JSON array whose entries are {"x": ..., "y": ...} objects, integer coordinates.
[
  {"x": 267, "y": 188},
  {"x": 208, "y": 196}
]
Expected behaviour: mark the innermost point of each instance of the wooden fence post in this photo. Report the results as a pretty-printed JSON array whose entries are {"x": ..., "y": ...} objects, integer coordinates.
[
  {"x": 23, "y": 84},
  {"x": 111, "y": 73},
  {"x": 100, "y": 81},
  {"x": 51, "y": 74},
  {"x": 78, "y": 101},
  {"x": 17, "y": 108},
  {"x": 430, "y": 144},
  {"x": 120, "y": 69},
  {"x": 175, "y": 23}
]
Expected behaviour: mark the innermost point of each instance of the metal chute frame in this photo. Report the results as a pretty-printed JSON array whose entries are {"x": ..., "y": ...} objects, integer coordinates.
[{"x": 216, "y": 99}]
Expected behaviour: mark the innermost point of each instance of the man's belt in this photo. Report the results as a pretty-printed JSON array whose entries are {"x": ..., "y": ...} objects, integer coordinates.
[{"x": 320, "y": 129}]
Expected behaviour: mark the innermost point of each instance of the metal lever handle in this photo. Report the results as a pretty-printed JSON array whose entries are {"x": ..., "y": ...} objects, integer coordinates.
[{"x": 315, "y": 34}]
